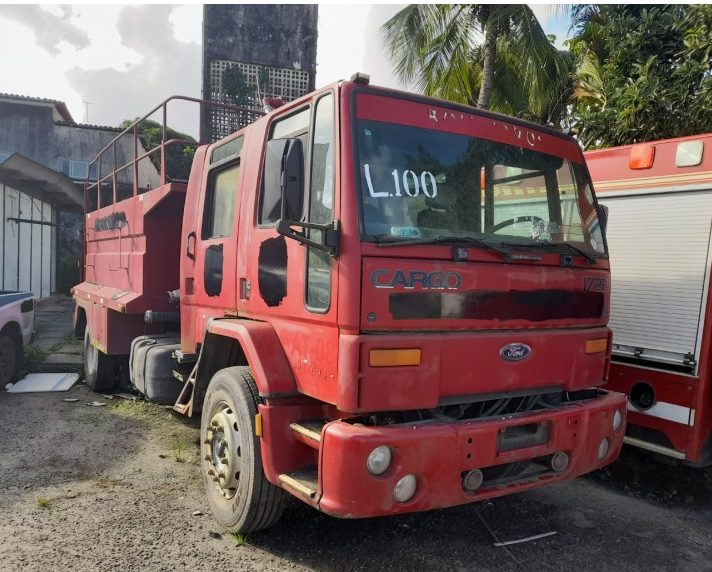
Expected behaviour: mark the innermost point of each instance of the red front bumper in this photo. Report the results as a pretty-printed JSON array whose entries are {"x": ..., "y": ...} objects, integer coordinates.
[{"x": 438, "y": 454}]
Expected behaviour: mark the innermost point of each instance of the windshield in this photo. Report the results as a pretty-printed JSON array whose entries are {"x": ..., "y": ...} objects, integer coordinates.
[{"x": 418, "y": 182}]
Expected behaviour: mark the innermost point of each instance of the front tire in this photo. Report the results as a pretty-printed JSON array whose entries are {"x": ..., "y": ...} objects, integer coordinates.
[
  {"x": 240, "y": 496},
  {"x": 8, "y": 360},
  {"x": 98, "y": 370}
]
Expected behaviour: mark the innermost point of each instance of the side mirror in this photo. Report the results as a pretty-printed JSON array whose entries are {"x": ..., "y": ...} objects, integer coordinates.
[
  {"x": 283, "y": 195},
  {"x": 602, "y": 211}
]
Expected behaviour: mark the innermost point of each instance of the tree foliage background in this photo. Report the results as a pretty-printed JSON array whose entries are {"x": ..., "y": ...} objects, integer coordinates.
[
  {"x": 631, "y": 72},
  {"x": 178, "y": 158},
  {"x": 494, "y": 56},
  {"x": 643, "y": 72}
]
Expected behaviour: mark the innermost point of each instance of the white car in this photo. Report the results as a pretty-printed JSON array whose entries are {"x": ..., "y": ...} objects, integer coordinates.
[{"x": 17, "y": 319}]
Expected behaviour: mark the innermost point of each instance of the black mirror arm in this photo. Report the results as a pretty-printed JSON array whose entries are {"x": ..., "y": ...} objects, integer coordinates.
[{"x": 331, "y": 233}]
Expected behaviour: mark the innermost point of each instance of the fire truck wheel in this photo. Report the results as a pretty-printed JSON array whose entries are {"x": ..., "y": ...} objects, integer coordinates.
[
  {"x": 240, "y": 496},
  {"x": 8, "y": 360},
  {"x": 98, "y": 370}
]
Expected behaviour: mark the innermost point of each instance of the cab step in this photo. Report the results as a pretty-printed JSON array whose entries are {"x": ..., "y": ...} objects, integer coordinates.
[
  {"x": 304, "y": 481},
  {"x": 184, "y": 403},
  {"x": 309, "y": 432}
]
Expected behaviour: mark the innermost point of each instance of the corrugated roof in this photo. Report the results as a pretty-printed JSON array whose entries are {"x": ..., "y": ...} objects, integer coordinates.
[{"x": 60, "y": 106}]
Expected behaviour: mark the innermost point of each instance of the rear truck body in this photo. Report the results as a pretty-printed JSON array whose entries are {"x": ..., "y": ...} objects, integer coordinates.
[
  {"x": 659, "y": 196},
  {"x": 17, "y": 320},
  {"x": 387, "y": 304}
]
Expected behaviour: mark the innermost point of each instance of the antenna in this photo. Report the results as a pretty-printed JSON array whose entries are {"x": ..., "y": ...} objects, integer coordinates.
[{"x": 86, "y": 110}]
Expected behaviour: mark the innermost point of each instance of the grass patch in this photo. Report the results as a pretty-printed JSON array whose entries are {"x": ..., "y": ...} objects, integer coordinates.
[
  {"x": 139, "y": 409},
  {"x": 67, "y": 340},
  {"x": 43, "y": 503},
  {"x": 34, "y": 356},
  {"x": 179, "y": 450},
  {"x": 239, "y": 537}
]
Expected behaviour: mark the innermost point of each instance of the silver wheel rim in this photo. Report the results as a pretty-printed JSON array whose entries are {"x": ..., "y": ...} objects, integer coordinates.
[{"x": 223, "y": 453}]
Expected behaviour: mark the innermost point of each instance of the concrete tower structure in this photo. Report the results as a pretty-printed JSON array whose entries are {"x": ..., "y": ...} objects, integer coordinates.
[{"x": 252, "y": 51}]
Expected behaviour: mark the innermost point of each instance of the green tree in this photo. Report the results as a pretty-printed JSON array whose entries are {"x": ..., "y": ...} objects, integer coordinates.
[
  {"x": 643, "y": 72},
  {"x": 492, "y": 56},
  {"x": 179, "y": 158}
]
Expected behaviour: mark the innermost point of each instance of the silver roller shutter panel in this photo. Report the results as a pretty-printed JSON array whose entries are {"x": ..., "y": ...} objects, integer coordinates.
[{"x": 659, "y": 249}]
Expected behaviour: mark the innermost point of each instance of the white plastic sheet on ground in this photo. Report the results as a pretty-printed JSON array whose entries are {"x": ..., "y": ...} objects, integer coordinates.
[{"x": 44, "y": 382}]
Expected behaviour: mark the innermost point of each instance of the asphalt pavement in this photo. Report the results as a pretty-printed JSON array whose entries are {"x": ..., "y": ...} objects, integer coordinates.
[{"x": 54, "y": 334}]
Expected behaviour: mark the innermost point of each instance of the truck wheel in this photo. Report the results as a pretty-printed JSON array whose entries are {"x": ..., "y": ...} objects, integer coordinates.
[
  {"x": 8, "y": 360},
  {"x": 240, "y": 496},
  {"x": 98, "y": 372}
]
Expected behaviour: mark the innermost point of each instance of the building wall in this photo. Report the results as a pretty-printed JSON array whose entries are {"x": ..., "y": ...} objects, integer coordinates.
[
  {"x": 276, "y": 42},
  {"x": 35, "y": 129},
  {"x": 28, "y": 128}
]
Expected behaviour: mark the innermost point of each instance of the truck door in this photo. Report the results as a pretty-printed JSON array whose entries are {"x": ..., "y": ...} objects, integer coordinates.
[
  {"x": 216, "y": 236},
  {"x": 296, "y": 285}
]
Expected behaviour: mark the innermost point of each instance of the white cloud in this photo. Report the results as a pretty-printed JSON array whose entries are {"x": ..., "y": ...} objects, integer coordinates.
[
  {"x": 48, "y": 28},
  {"x": 119, "y": 61}
]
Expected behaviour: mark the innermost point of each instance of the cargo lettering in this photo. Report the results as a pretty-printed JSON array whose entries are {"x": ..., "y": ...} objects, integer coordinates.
[{"x": 383, "y": 278}]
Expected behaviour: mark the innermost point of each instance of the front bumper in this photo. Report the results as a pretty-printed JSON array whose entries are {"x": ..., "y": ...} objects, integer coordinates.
[{"x": 438, "y": 454}]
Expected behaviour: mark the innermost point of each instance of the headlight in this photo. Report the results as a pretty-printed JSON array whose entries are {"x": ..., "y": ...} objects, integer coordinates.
[
  {"x": 405, "y": 488},
  {"x": 603, "y": 449},
  {"x": 379, "y": 460},
  {"x": 617, "y": 420}
]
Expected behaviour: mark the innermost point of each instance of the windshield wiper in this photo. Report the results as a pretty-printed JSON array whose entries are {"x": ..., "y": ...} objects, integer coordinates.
[{"x": 449, "y": 240}]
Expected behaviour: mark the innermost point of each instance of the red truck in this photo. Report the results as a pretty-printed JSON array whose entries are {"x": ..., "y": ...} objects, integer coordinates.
[
  {"x": 378, "y": 302},
  {"x": 659, "y": 195}
]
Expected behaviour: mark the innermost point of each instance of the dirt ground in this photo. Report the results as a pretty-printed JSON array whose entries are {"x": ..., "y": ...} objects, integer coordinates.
[{"x": 117, "y": 487}]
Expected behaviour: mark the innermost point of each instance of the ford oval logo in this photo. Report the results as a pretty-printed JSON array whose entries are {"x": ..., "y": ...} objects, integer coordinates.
[{"x": 515, "y": 352}]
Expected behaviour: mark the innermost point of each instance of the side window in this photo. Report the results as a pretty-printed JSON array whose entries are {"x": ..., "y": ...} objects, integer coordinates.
[
  {"x": 294, "y": 126},
  {"x": 220, "y": 198},
  {"x": 321, "y": 205}
]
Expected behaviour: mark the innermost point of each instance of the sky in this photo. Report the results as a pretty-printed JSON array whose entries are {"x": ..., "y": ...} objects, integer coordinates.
[{"x": 109, "y": 63}]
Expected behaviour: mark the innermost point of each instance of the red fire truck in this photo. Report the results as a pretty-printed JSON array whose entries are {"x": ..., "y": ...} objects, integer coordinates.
[
  {"x": 378, "y": 302},
  {"x": 659, "y": 197}
]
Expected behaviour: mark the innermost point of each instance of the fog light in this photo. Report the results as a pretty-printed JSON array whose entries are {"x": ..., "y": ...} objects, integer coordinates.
[
  {"x": 559, "y": 462},
  {"x": 473, "y": 480},
  {"x": 603, "y": 449},
  {"x": 405, "y": 488},
  {"x": 379, "y": 460},
  {"x": 617, "y": 420}
]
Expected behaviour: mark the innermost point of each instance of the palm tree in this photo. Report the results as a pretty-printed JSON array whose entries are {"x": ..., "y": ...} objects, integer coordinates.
[{"x": 483, "y": 54}]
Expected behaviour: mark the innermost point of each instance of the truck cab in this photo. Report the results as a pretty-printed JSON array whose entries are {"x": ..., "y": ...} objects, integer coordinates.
[{"x": 393, "y": 304}]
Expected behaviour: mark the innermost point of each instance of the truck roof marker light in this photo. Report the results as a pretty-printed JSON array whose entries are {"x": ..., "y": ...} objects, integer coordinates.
[
  {"x": 271, "y": 103},
  {"x": 596, "y": 346},
  {"x": 360, "y": 77},
  {"x": 394, "y": 358},
  {"x": 642, "y": 156},
  {"x": 689, "y": 153}
]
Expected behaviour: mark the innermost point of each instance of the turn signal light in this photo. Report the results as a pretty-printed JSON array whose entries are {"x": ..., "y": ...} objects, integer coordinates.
[
  {"x": 596, "y": 346},
  {"x": 392, "y": 358},
  {"x": 642, "y": 156}
]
